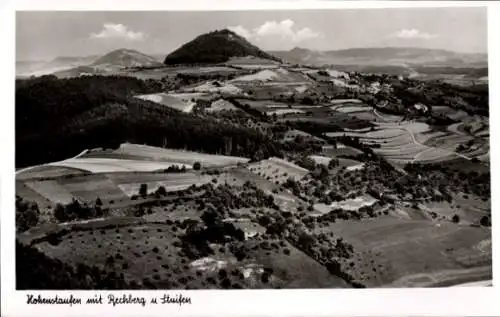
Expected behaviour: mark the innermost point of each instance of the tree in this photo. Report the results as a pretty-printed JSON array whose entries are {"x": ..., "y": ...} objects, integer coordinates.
[
  {"x": 333, "y": 163},
  {"x": 305, "y": 241},
  {"x": 485, "y": 221},
  {"x": 98, "y": 201},
  {"x": 143, "y": 190},
  {"x": 161, "y": 191},
  {"x": 307, "y": 163},
  {"x": 60, "y": 213},
  {"x": 197, "y": 166},
  {"x": 27, "y": 218},
  {"x": 456, "y": 218}
]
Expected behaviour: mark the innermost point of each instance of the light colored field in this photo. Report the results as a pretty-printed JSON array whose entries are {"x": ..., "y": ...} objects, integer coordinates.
[
  {"x": 350, "y": 109},
  {"x": 191, "y": 96},
  {"x": 284, "y": 111},
  {"x": 342, "y": 101},
  {"x": 279, "y": 76},
  {"x": 210, "y": 87},
  {"x": 251, "y": 229},
  {"x": 447, "y": 278},
  {"x": 197, "y": 70},
  {"x": 278, "y": 106},
  {"x": 51, "y": 190},
  {"x": 256, "y": 66},
  {"x": 220, "y": 105},
  {"x": 301, "y": 89},
  {"x": 343, "y": 83},
  {"x": 354, "y": 204},
  {"x": 108, "y": 165},
  {"x": 169, "y": 101},
  {"x": 337, "y": 74},
  {"x": 264, "y": 75},
  {"x": 184, "y": 157},
  {"x": 356, "y": 167},
  {"x": 319, "y": 159}
]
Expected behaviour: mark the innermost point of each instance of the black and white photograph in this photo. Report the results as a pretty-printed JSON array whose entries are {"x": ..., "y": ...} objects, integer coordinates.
[{"x": 252, "y": 149}]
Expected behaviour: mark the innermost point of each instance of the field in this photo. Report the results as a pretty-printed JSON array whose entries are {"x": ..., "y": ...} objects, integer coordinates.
[
  {"x": 348, "y": 204},
  {"x": 469, "y": 208},
  {"x": 325, "y": 115},
  {"x": 393, "y": 252},
  {"x": 149, "y": 253},
  {"x": 277, "y": 170},
  {"x": 216, "y": 87},
  {"x": 407, "y": 142},
  {"x": 170, "y": 101},
  {"x": 275, "y": 76},
  {"x": 107, "y": 165},
  {"x": 47, "y": 171},
  {"x": 340, "y": 150},
  {"x": 291, "y": 135},
  {"x": 221, "y": 105},
  {"x": 153, "y": 155}
]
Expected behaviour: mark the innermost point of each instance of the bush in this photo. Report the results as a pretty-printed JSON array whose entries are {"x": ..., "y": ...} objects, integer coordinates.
[
  {"x": 226, "y": 283},
  {"x": 197, "y": 166},
  {"x": 27, "y": 215},
  {"x": 456, "y": 219},
  {"x": 222, "y": 274},
  {"x": 264, "y": 278},
  {"x": 98, "y": 201},
  {"x": 161, "y": 191},
  {"x": 485, "y": 221}
]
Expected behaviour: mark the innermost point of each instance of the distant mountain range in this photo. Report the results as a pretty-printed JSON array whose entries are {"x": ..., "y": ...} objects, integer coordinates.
[
  {"x": 224, "y": 45},
  {"x": 76, "y": 66},
  {"x": 38, "y": 68},
  {"x": 384, "y": 56}
]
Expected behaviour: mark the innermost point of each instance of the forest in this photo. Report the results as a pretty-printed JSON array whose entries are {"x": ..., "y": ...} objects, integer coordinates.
[{"x": 58, "y": 118}]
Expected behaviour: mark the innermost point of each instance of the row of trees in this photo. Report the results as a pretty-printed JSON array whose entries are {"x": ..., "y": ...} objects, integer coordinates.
[{"x": 77, "y": 210}]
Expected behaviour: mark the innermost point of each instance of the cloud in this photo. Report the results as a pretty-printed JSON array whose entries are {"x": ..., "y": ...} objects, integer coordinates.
[
  {"x": 413, "y": 34},
  {"x": 277, "y": 32},
  {"x": 118, "y": 31}
]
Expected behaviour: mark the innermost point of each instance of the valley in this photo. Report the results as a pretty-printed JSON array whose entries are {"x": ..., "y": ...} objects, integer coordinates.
[{"x": 226, "y": 167}]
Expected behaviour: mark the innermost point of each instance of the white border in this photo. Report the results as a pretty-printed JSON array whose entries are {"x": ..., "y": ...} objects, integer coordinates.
[{"x": 366, "y": 302}]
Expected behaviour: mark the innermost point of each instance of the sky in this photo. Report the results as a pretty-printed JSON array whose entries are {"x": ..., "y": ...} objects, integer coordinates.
[{"x": 45, "y": 35}]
